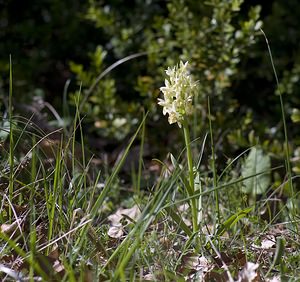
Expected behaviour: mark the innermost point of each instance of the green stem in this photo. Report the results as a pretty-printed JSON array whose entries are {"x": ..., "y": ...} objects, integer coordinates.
[
  {"x": 11, "y": 140},
  {"x": 216, "y": 194},
  {"x": 286, "y": 139},
  {"x": 191, "y": 175}
]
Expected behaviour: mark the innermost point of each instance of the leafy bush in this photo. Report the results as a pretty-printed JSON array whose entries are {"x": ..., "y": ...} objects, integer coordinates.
[
  {"x": 221, "y": 40},
  {"x": 212, "y": 36},
  {"x": 218, "y": 39}
]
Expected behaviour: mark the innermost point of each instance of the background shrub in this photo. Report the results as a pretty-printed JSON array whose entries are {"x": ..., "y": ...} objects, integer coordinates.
[{"x": 53, "y": 41}]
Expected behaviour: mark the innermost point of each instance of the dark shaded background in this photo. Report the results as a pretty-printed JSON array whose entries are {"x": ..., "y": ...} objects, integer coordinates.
[{"x": 44, "y": 36}]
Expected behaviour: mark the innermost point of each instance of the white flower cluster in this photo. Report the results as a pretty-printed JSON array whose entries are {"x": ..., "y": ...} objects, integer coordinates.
[{"x": 178, "y": 93}]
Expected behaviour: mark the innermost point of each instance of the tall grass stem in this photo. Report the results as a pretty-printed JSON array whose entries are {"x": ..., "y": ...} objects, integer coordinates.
[
  {"x": 286, "y": 140},
  {"x": 11, "y": 139},
  {"x": 216, "y": 193}
]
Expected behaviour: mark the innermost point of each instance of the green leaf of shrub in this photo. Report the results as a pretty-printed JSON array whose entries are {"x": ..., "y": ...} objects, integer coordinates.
[
  {"x": 256, "y": 162},
  {"x": 295, "y": 115}
]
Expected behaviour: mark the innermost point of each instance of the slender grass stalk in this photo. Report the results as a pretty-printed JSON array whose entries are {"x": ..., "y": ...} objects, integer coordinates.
[
  {"x": 286, "y": 140},
  {"x": 15, "y": 246},
  {"x": 33, "y": 235},
  {"x": 55, "y": 193},
  {"x": 83, "y": 159},
  {"x": 216, "y": 194},
  {"x": 278, "y": 254},
  {"x": 77, "y": 118},
  {"x": 100, "y": 199},
  {"x": 66, "y": 111},
  {"x": 116, "y": 170},
  {"x": 78, "y": 124},
  {"x": 11, "y": 139},
  {"x": 33, "y": 239},
  {"x": 33, "y": 172},
  {"x": 198, "y": 184},
  {"x": 105, "y": 72},
  {"x": 221, "y": 187},
  {"x": 69, "y": 275},
  {"x": 131, "y": 243},
  {"x": 139, "y": 176}
]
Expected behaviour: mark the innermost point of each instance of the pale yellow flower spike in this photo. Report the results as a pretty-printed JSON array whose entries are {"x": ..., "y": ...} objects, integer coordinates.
[{"x": 178, "y": 91}]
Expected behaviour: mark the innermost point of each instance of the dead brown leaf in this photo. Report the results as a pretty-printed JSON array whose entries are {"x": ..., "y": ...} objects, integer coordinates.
[
  {"x": 120, "y": 219},
  {"x": 132, "y": 213},
  {"x": 231, "y": 258},
  {"x": 267, "y": 242},
  {"x": 249, "y": 273},
  {"x": 14, "y": 228},
  {"x": 274, "y": 279},
  {"x": 116, "y": 231},
  {"x": 193, "y": 263},
  {"x": 215, "y": 275}
]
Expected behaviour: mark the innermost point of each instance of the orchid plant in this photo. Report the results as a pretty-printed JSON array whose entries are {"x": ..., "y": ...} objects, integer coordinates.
[{"x": 179, "y": 91}]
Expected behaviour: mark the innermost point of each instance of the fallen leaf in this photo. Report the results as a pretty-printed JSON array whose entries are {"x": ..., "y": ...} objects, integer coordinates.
[
  {"x": 149, "y": 277},
  {"x": 10, "y": 272},
  {"x": 117, "y": 220},
  {"x": 49, "y": 267},
  {"x": 54, "y": 254},
  {"x": 58, "y": 267},
  {"x": 192, "y": 263},
  {"x": 268, "y": 242},
  {"x": 116, "y": 231},
  {"x": 13, "y": 228},
  {"x": 237, "y": 258},
  {"x": 274, "y": 279},
  {"x": 132, "y": 213},
  {"x": 248, "y": 273},
  {"x": 215, "y": 275},
  {"x": 184, "y": 207}
]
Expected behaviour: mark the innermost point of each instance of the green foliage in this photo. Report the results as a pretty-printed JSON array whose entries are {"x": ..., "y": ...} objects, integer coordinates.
[
  {"x": 295, "y": 115},
  {"x": 296, "y": 161},
  {"x": 4, "y": 130},
  {"x": 257, "y": 169},
  {"x": 211, "y": 36},
  {"x": 53, "y": 194},
  {"x": 232, "y": 221},
  {"x": 108, "y": 114},
  {"x": 216, "y": 37}
]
